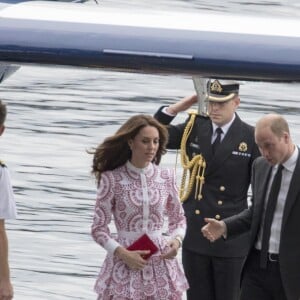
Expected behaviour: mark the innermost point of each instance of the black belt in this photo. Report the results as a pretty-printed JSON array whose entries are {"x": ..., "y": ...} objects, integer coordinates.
[{"x": 272, "y": 257}]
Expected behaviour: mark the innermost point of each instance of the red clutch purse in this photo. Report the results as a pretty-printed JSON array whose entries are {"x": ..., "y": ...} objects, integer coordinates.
[{"x": 144, "y": 243}]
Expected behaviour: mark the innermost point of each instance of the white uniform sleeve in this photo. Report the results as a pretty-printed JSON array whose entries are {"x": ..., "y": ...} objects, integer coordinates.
[{"x": 7, "y": 201}]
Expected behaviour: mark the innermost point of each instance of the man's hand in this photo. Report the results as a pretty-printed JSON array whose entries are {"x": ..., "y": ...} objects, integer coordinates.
[
  {"x": 6, "y": 290},
  {"x": 214, "y": 229}
]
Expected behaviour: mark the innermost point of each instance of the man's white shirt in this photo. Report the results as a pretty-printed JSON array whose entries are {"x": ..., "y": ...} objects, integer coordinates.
[{"x": 7, "y": 201}]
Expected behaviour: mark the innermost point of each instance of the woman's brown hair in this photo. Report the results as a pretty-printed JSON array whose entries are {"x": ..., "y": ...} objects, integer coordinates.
[{"x": 115, "y": 151}]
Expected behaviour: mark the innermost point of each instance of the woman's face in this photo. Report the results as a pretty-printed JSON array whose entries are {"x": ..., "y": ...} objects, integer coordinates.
[{"x": 144, "y": 146}]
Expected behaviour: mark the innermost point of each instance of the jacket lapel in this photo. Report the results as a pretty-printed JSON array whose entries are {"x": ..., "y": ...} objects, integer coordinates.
[
  {"x": 294, "y": 190},
  {"x": 205, "y": 138},
  {"x": 225, "y": 149},
  {"x": 200, "y": 142},
  {"x": 261, "y": 186}
]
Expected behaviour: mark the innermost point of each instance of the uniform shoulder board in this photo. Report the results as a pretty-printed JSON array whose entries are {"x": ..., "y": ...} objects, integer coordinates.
[{"x": 2, "y": 164}]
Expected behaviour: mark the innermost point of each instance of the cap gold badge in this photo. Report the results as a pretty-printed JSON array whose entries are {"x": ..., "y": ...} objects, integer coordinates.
[
  {"x": 216, "y": 87},
  {"x": 243, "y": 147}
]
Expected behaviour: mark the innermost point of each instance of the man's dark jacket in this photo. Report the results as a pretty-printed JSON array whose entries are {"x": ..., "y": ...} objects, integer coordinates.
[
  {"x": 289, "y": 249},
  {"x": 227, "y": 179}
]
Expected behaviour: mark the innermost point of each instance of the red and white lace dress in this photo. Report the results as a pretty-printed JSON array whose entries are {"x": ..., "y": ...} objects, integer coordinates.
[{"x": 139, "y": 201}]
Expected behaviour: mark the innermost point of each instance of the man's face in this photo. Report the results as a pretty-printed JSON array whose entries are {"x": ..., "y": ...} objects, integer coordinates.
[
  {"x": 272, "y": 147},
  {"x": 222, "y": 112}
]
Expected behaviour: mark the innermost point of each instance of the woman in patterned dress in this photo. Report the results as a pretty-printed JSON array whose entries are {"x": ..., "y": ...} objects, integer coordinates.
[{"x": 140, "y": 198}]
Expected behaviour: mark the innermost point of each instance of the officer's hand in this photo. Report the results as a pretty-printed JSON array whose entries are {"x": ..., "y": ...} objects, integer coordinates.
[{"x": 183, "y": 104}]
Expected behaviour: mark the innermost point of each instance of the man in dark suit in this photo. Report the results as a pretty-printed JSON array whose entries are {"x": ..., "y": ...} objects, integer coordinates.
[
  {"x": 271, "y": 271},
  {"x": 227, "y": 145}
]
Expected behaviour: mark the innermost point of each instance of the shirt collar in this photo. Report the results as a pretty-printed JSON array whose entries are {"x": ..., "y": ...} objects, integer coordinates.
[
  {"x": 145, "y": 170},
  {"x": 290, "y": 164},
  {"x": 225, "y": 127}
]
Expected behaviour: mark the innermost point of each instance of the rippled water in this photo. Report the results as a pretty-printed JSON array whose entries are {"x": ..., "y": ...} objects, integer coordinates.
[{"x": 55, "y": 115}]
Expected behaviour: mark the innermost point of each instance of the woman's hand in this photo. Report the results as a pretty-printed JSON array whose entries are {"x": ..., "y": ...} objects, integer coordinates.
[
  {"x": 133, "y": 259},
  {"x": 173, "y": 247}
]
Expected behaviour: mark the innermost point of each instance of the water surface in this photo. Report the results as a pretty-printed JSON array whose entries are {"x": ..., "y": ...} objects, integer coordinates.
[{"x": 56, "y": 114}]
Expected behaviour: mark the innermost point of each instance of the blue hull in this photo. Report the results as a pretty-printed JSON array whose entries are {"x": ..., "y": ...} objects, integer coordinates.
[{"x": 229, "y": 55}]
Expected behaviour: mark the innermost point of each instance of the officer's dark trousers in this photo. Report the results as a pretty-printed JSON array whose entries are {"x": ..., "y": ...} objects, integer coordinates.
[{"x": 212, "y": 278}]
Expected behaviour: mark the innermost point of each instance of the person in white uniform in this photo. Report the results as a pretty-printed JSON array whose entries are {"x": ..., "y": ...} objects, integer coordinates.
[{"x": 7, "y": 211}]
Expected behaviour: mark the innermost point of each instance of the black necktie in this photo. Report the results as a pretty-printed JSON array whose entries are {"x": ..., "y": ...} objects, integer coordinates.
[
  {"x": 272, "y": 201},
  {"x": 217, "y": 141}
]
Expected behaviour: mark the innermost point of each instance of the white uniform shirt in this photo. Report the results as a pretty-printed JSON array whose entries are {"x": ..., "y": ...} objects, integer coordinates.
[
  {"x": 224, "y": 128},
  {"x": 7, "y": 201}
]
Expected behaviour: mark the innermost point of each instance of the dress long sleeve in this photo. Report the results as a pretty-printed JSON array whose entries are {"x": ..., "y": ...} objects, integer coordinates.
[{"x": 103, "y": 214}]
